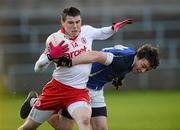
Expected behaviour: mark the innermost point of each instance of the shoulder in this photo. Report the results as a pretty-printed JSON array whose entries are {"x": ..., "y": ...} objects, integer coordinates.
[
  {"x": 122, "y": 62},
  {"x": 87, "y": 27},
  {"x": 88, "y": 31},
  {"x": 120, "y": 50},
  {"x": 122, "y": 56},
  {"x": 51, "y": 36}
]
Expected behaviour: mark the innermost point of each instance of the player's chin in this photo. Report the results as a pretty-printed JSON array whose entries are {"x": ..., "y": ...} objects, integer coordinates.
[{"x": 75, "y": 33}]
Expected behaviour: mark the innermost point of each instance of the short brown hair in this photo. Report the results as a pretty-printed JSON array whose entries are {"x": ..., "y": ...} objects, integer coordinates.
[
  {"x": 150, "y": 53},
  {"x": 71, "y": 11}
]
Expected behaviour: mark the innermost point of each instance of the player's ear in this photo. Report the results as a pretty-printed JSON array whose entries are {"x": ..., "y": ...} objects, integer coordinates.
[{"x": 62, "y": 22}]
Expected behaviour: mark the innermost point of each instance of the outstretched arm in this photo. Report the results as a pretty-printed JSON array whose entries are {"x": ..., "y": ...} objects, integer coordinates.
[
  {"x": 86, "y": 58},
  {"x": 106, "y": 32},
  {"x": 93, "y": 56}
]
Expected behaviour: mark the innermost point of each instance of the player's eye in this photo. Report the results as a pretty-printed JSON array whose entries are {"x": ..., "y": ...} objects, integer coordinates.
[
  {"x": 70, "y": 22},
  {"x": 144, "y": 66},
  {"x": 77, "y": 22}
]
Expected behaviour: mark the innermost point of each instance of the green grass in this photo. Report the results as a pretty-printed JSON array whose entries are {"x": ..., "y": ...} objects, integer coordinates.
[{"x": 145, "y": 110}]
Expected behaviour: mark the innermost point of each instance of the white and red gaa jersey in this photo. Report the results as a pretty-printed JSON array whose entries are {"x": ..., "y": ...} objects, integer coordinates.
[{"x": 78, "y": 75}]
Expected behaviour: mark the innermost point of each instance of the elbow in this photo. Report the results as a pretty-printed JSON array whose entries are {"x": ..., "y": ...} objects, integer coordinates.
[
  {"x": 42, "y": 63},
  {"x": 37, "y": 68}
]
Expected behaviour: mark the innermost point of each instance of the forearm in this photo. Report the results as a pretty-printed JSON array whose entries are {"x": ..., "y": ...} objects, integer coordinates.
[
  {"x": 93, "y": 56},
  {"x": 42, "y": 63},
  {"x": 107, "y": 30}
]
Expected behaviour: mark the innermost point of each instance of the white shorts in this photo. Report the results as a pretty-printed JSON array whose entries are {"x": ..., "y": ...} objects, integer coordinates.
[
  {"x": 40, "y": 116},
  {"x": 97, "y": 98}
]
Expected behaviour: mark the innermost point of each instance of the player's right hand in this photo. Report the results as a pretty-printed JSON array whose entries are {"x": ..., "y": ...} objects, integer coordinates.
[
  {"x": 57, "y": 51},
  {"x": 63, "y": 61}
]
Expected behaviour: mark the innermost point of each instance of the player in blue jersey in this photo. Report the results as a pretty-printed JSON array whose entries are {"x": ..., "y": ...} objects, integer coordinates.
[{"x": 124, "y": 60}]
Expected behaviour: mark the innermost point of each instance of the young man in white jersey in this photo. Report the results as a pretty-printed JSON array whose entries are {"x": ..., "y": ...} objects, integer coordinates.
[{"x": 67, "y": 89}]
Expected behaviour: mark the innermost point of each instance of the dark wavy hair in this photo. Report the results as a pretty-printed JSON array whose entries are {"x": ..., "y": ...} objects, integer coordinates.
[{"x": 151, "y": 53}]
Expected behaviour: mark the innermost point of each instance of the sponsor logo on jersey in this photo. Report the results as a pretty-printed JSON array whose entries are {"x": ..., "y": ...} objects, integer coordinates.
[
  {"x": 77, "y": 52},
  {"x": 83, "y": 40}
]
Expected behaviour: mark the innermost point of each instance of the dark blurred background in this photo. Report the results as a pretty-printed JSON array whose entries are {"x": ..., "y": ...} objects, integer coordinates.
[{"x": 25, "y": 25}]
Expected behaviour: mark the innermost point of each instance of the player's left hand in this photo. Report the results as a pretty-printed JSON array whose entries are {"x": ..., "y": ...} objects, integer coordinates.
[
  {"x": 116, "y": 26},
  {"x": 63, "y": 61},
  {"x": 117, "y": 82},
  {"x": 57, "y": 51}
]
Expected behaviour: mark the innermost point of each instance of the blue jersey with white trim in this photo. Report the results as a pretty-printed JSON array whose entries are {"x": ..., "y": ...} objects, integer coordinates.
[{"x": 120, "y": 66}]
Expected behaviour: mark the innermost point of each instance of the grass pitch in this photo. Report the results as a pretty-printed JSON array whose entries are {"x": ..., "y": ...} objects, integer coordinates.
[{"x": 130, "y": 110}]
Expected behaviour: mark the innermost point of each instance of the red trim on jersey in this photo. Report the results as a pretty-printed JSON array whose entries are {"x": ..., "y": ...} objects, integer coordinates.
[
  {"x": 62, "y": 30},
  {"x": 57, "y": 95}
]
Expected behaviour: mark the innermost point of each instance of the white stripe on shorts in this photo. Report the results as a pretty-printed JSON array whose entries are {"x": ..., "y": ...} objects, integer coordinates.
[{"x": 40, "y": 116}]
